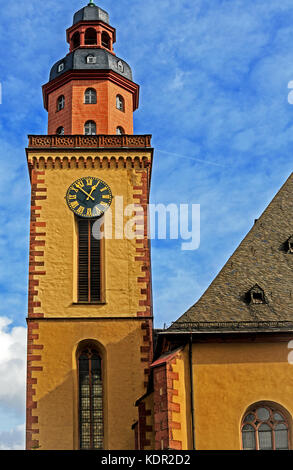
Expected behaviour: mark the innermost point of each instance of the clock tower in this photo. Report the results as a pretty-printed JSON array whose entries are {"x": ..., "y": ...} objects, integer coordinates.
[{"x": 90, "y": 305}]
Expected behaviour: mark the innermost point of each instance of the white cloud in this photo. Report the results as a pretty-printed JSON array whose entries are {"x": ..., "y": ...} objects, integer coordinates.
[
  {"x": 12, "y": 367},
  {"x": 14, "y": 439}
]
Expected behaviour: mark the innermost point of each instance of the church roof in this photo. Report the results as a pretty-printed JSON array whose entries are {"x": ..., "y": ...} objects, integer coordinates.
[
  {"x": 103, "y": 60},
  {"x": 91, "y": 13},
  {"x": 255, "y": 287}
]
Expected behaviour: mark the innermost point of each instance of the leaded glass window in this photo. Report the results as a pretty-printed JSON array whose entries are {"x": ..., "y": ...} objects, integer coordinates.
[
  {"x": 91, "y": 424},
  {"x": 265, "y": 428}
]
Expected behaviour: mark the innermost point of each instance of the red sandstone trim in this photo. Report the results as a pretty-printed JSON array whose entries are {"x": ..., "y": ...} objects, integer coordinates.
[
  {"x": 164, "y": 406},
  {"x": 143, "y": 430},
  {"x": 31, "y": 404},
  {"x": 35, "y": 262}
]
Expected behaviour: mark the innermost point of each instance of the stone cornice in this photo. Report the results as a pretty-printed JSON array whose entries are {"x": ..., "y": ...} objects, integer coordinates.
[{"x": 79, "y": 151}]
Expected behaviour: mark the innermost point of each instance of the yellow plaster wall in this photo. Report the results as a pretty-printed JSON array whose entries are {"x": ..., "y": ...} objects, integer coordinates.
[
  {"x": 182, "y": 386},
  {"x": 228, "y": 378},
  {"x": 57, "y": 392},
  {"x": 57, "y": 290}
]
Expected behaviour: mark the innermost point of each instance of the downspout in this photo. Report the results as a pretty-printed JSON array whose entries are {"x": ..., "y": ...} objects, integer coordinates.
[{"x": 191, "y": 393}]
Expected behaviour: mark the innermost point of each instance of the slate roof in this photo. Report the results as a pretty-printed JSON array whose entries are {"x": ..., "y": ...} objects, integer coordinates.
[
  {"x": 261, "y": 259},
  {"x": 76, "y": 60},
  {"x": 91, "y": 13}
]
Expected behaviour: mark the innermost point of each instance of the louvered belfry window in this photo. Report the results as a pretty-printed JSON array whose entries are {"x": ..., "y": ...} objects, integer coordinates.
[
  {"x": 90, "y": 400},
  {"x": 89, "y": 263}
]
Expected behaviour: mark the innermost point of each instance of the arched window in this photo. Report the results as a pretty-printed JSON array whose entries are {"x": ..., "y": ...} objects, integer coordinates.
[
  {"x": 75, "y": 40},
  {"x": 90, "y": 399},
  {"x": 120, "y": 130},
  {"x": 90, "y": 37},
  {"x": 120, "y": 103},
  {"x": 265, "y": 427},
  {"x": 90, "y": 96},
  {"x": 105, "y": 40},
  {"x": 90, "y": 128},
  {"x": 60, "y": 102},
  {"x": 60, "y": 131}
]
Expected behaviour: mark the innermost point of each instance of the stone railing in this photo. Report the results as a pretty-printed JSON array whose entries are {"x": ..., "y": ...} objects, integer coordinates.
[{"x": 89, "y": 141}]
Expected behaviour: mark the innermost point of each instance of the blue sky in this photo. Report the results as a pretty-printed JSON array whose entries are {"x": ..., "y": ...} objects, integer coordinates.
[{"x": 214, "y": 94}]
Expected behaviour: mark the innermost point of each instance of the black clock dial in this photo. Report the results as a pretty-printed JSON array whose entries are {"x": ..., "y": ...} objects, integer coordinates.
[{"x": 89, "y": 197}]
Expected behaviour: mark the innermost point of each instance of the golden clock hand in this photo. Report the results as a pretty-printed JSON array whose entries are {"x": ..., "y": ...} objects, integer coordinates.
[
  {"x": 92, "y": 190},
  {"x": 79, "y": 187}
]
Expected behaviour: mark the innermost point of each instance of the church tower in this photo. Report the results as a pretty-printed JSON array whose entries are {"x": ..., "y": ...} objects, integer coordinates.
[{"x": 90, "y": 305}]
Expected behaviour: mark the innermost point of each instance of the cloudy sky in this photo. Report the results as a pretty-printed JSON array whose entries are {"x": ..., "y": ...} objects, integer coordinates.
[{"x": 214, "y": 80}]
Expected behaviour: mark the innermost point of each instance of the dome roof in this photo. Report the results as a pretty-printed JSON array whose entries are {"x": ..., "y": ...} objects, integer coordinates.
[
  {"x": 100, "y": 59},
  {"x": 91, "y": 13}
]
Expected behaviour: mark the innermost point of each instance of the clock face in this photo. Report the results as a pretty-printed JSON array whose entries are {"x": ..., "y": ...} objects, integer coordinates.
[{"x": 89, "y": 197}]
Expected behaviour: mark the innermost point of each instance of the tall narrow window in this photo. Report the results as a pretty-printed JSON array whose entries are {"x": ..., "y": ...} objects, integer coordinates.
[
  {"x": 265, "y": 427},
  {"x": 75, "y": 40},
  {"x": 89, "y": 263},
  {"x": 120, "y": 103},
  {"x": 90, "y": 128},
  {"x": 60, "y": 102},
  {"x": 90, "y": 37},
  {"x": 90, "y": 399},
  {"x": 105, "y": 40},
  {"x": 90, "y": 96}
]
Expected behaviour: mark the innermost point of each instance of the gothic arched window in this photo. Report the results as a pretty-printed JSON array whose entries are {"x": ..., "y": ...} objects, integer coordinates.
[
  {"x": 120, "y": 103},
  {"x": 90, "y": 96},
  {"x": 90, "y": 37},
  {"x": 91, "y": 430},
  {"x": 90, "y": 128},
  {"x": 265, "y": 427},
  {"x": 60, "y": 102}
]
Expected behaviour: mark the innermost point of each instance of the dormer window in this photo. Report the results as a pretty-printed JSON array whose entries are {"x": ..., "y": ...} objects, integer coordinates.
[
  {"x": 290, "y": 244},
  {"x": 120, "y": 66},
  {"x": 91, "y": 59},
  {"x": 61, "y": 67},
  {"x": 257, "y": 295}
]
